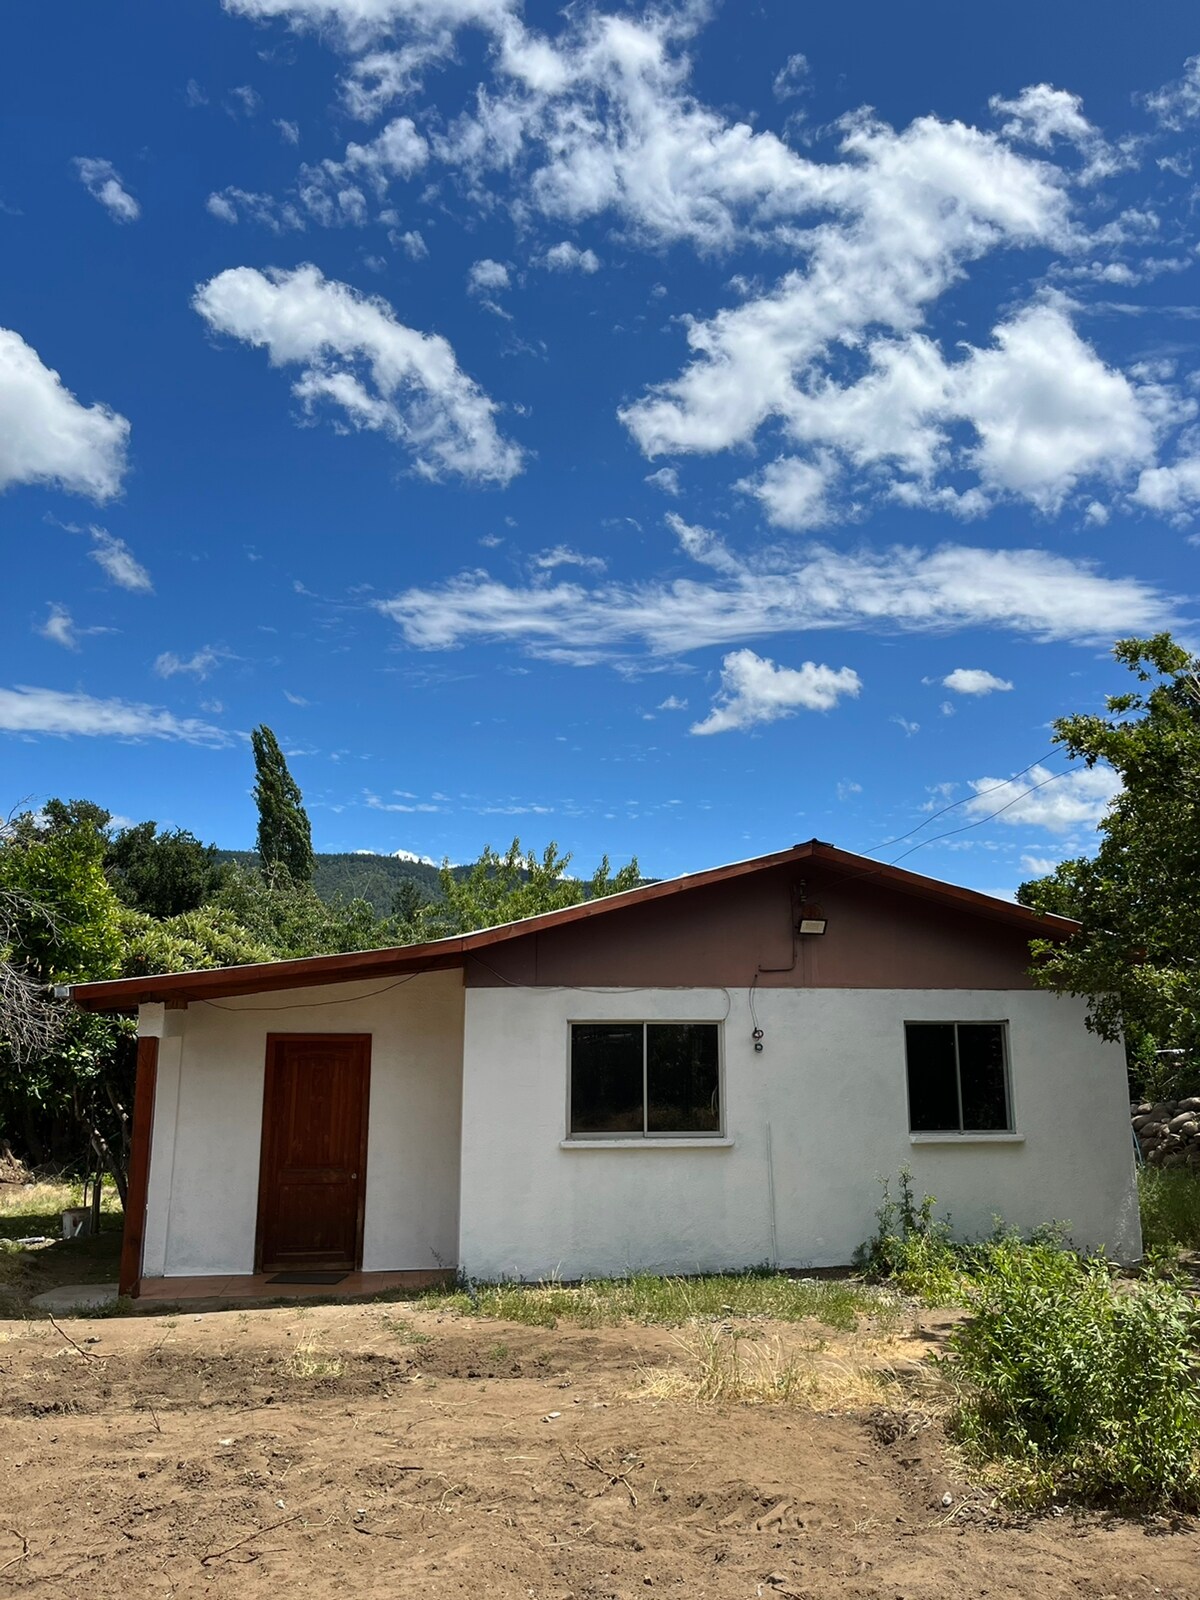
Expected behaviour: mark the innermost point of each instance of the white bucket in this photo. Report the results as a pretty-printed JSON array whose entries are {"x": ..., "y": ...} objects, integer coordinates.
[{"x": 76, "y": 1222}]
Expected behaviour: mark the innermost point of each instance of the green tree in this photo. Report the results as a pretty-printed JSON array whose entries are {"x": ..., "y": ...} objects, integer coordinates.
[
  {"x": 62, "y": 925},
  {"x": 284, "y": 833},
  {"x": 210, "y": 936},
  {"x": 163, "y": 874},
  {"x": 291, "y": 920},
  {"x": 1136, "y": 958},
  {"x": 505, "y": 888}
]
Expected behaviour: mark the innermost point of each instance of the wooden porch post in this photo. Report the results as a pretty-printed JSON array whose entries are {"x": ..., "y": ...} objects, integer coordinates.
[{"x": 129, "y": 1280}]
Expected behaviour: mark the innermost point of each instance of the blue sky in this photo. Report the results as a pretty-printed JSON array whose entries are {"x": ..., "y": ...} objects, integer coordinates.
[{"x": 675, "y": 431}]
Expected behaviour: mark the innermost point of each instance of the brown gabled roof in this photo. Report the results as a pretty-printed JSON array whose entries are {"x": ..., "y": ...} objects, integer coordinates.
[{"x": 123, "y": 994}]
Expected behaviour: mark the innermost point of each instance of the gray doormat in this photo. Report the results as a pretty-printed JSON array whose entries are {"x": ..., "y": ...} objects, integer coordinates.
[{"x": 307, "y": 1277}]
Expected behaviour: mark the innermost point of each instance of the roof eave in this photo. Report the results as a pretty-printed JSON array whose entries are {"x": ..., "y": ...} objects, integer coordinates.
[{"x": 126, "y": 994}]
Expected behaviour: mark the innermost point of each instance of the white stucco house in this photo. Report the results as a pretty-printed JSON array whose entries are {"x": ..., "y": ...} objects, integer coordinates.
[{"x": 707, "y": 1072}]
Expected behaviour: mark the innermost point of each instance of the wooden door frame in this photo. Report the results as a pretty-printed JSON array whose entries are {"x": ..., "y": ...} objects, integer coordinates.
[{"x": 274, "y": 1040}]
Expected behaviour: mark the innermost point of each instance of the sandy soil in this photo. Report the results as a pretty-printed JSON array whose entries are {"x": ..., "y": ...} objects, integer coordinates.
[{"x": 373, "y": 1451}]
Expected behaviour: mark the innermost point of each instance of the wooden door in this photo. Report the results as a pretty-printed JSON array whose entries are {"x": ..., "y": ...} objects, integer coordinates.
[{"x": 314, "y": 1151}]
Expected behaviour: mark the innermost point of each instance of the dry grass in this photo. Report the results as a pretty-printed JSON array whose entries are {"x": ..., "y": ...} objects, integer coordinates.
[
  {"x": 310, "y": 1361},
  {"x": 49, "y": 1198},
  {"x": 724, "y": 1367}
]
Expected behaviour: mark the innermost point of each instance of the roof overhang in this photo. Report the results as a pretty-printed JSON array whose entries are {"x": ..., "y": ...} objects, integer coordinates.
[{"x": 833, "y": 867}]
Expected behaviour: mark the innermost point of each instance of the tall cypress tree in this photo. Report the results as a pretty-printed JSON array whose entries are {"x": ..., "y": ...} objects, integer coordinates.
[{"x": 284, "y": 834}]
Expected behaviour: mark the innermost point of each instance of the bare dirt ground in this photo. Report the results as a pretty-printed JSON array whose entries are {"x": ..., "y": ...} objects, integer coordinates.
[{"x": 376, "y": 1450}]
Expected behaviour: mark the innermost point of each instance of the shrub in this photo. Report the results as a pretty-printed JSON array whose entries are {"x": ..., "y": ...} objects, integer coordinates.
[
  {"x": 1081, "y": 1385},
  {"x": 911, "y": 1246},
  {"x": 1170, "y": 1205}
]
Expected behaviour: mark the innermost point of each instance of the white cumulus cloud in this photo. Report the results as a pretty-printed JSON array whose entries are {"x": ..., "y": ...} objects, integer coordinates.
[
  {"x": 794, "y": 492},
  {"x": 485, "y": 277},
  {"x": 1172, "y": 490},
  {"x": 568, "y": 257},
  {"x": 753, "y": 690},
  {"x": 356, "y": 357},
  {"x": 974, "y": 680},
  {"x": 104, "y": 183},
  {"x": 47, "y": 436},
  {"x": 1041, "y": 799}
]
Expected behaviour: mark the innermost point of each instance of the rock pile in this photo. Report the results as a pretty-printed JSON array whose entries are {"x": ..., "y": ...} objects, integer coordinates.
[{"x": 1169, "y": 1131}]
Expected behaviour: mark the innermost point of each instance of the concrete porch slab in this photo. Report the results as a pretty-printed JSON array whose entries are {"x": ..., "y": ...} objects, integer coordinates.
[
  {"x": 76, "y": 1297},
  {"x": 244, "y": 1288}
]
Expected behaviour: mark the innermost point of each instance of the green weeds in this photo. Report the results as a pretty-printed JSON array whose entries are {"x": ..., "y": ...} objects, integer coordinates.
[
  {"x": 1065, "y": 1380},
  {"x": 1076, "y": 1385},
  {"x": 1170, "y": 1206},
  {"x": 672, "y": 1301}
]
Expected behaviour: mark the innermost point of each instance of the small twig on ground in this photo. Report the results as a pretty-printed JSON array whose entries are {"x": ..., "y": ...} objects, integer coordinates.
[
  {"x": 378, "y": 1533},
  {"x": 154, "y": 1414},
  {"x": 24, "y": 1556},
  {"x": 88, "y": 1355},
  {"x": 614, "y": 1478},
  {"x": 215, "y": 1555}
]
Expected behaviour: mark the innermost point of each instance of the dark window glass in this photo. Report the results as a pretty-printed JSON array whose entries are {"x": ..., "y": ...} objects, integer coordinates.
[
  {"x": 957, "y": 1082},
  {"x": 682, "y": 1078},
  {"x": 606, "y": 1077},
  {"x": 932, "y": 1079},
  {"x": 981, "y": 1072}
]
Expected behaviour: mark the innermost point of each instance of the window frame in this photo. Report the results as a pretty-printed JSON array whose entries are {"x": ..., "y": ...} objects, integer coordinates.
[
  {"x": 646, "y": 1136},
  {"x": 936, "y": 1135}
]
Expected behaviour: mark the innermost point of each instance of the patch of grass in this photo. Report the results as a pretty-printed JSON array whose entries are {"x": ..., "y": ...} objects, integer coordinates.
[
  {"x": 728, "y": 1368},
  {"x": 1071, "y": 1384},
  {"x": 37, "y": 1208},
  {"x": 403, "y": 1330},
  {"x": 308, "y": 1361},
  {"x": 1170, "y": 1207},
  {"x": 672, "y": 1301}
]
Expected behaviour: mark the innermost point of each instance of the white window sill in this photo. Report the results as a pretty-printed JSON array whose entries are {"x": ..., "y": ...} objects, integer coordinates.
[
  {"x": 681, "y": 1143},
  {"x": 966, "y": 1138}
]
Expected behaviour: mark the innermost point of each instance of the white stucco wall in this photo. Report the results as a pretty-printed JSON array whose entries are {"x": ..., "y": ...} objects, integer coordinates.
[
  {"x": 811, "y": 1122},
  {"x": 203, "y": 1190}
]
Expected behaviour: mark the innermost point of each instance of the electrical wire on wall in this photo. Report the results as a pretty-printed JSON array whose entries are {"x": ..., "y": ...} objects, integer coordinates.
[{"x": 312, "y": 1005}]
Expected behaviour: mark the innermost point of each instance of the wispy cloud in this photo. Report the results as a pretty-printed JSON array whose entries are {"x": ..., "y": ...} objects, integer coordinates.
[
  {"x": 104, "y": 183},
  {"x": 118, "y": 561},
  {"x": 563, "y": 556},
  {"x": 198, "y": 665},
  {"x": 60, "y": 627},
  {"x": 900, "y": 590},
  {"x": 26, "y": 710},
  {"x": 357, "y": 358}
]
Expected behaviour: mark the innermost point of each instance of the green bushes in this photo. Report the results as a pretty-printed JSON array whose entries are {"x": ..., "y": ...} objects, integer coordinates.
[
  {"x": 1065, "y": 1381},
  {"x": 1079, "y": 1385},
  {"x": 1170, "y": 1204},
  {"x": 912, "y": 1248}
]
